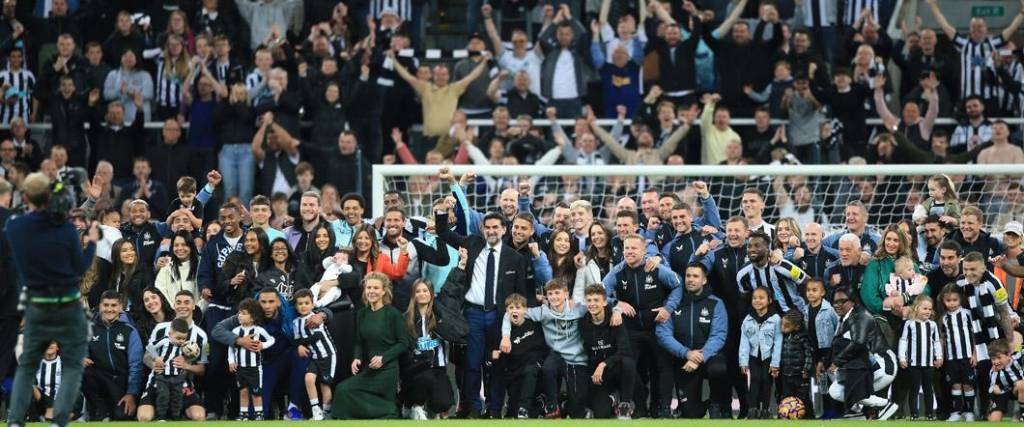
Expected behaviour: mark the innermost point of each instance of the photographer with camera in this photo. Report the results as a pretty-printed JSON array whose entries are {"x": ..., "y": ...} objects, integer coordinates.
[{"x": 49, "y": 258}]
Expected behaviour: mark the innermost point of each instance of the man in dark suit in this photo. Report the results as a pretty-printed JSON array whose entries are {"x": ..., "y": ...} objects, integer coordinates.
[{"x": 494, "y": 271}]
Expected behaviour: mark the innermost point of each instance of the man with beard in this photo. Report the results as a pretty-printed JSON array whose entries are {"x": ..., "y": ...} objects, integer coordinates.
[
  {"x": 976, "y": 130},
  {"x": 393, "y": 244},
  {"x": 414, "y": 226},
  {"x": 695, "y": 334},
  {"x": 538, "y": 270},
  {"x": 494, "y": 272},
  {"x": 626, "y": 225},
  {"x": 971, "y": 237},
  {"x": 856, "y": 215},
  {"x": 847, "y": 270},
  {"x": 353, "y": 205},
  {"x": 723, "y": 264},
  {"x": 209, "y": 281},
  {"x": 781, "y": 277},
  {"x": 992, "y": 317},
  {"x": 298, "y": 234},
  {"x": 933, "y": 234},
  {"x": 646, "y": 296},
  {"x": 857, "y": 348},
  {"x": 144, "y": 234},
  {"x": 690, "y": 232}
]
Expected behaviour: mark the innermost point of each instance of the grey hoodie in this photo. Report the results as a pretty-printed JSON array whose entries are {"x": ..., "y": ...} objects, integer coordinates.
[{"x": 561, "y": 330}]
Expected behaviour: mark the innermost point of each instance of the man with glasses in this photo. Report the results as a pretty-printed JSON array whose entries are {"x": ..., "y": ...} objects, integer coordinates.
[{"x": 862, "y": 362}]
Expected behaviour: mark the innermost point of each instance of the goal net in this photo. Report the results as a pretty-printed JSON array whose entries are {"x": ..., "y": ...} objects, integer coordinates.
[{"x": 808, "y": 193}]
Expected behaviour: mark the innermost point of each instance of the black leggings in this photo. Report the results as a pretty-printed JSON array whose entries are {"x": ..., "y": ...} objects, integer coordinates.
[
  {"x": 921, "y": 378},
  {"x": 431, "y": 388},
  {"x": 760, "y": 393},
  {"x": 622, "y": 378}
]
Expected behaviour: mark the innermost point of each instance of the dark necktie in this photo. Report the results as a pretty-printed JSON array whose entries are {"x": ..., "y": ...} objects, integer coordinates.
[{"x": 489, "y": 281}]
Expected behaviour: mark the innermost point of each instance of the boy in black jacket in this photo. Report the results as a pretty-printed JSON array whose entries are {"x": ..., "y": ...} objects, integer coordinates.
[
  {"x": 797, "y": 361},
  {"x": 522, "y": 365},
  {"x": 610, "y": 358}
]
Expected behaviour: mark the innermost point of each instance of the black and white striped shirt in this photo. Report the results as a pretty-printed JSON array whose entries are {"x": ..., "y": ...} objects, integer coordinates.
[
  {"x": 961, "y": 140},
  {"x": 22, "y": 83},
  {"x": 1010, "y": 102},
  {"x": 168, "y": 85},
  {"x": 1008, "y": 376},
  {"x": 253, "y": 80},
  {"x": 403, "y": 8},
  {"x": 244, "y": 357},
  {"x": 854, "y": 7},
  {"x": 983, "y": 298},
  {"x": 782, "y": 280},
  {"x": 956, "y": 326},
  {"x": 166, "y": 351},
  {"x": 195, "y": 334},
  {"x": 48, "y": 377},
  {"x": 919, "y": 344},
  {"x": 318, "y": 340},
  {"x": 818, "y": 13},
  {"x": 765, "y": 227},
  {"x": 975, "y": 57}
]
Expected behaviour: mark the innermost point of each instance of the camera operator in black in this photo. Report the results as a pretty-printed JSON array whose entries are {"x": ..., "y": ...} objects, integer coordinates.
[
  {"x": 53, "y": 306},
  {"x": 645, "y": 298}
]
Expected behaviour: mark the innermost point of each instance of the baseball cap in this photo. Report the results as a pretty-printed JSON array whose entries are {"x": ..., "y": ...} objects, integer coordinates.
[{"x": 1014, "y": 227}]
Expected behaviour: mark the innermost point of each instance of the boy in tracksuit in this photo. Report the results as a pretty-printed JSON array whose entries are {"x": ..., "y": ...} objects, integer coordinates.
[
  {"x": 652, "y": 296},
  {"x": 566, "y": 358},
  {"x": 522, "y": 363},
  {"x": 610, "y": 359}
]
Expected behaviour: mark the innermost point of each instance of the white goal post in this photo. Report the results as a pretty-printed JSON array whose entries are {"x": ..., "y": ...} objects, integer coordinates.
[{"x": 890, "y": 191}]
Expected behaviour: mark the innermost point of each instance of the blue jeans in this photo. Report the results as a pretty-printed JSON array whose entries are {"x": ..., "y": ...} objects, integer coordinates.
[
  {"x": 483, "y": 335},
  {"x": 67, "y": 325},
  {"x": 239, "y": 170}
]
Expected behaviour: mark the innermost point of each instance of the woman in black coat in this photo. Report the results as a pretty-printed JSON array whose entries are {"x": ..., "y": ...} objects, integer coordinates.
[{"x": 241, "y": 269}]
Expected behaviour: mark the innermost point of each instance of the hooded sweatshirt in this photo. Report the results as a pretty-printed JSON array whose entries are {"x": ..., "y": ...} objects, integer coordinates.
[{"x": 561, "y": 330}]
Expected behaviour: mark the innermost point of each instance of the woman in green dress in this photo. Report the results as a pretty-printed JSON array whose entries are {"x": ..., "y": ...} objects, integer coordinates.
[{"x": 379, "y": 340}]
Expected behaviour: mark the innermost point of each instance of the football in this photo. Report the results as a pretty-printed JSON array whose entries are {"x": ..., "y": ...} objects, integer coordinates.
[
  {"x": 791, "y": 408},
  {"x": 190, "y": 350}
]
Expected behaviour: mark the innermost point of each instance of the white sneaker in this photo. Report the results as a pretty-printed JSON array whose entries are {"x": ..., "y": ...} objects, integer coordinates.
[
  {"x": 955, "y": 417},
  {"x": 318, "y": 414},
  {"x": 418, "y": 413},
  {"x": 887, "y": 411},
  {"x": 969, "y": 416}
]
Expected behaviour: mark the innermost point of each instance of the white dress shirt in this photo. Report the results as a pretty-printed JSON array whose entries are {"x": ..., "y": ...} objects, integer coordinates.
[{"x": 478, "y": 284}]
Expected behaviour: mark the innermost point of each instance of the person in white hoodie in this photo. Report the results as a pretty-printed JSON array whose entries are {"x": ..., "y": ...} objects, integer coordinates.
[{"x": 180, "y": 273}]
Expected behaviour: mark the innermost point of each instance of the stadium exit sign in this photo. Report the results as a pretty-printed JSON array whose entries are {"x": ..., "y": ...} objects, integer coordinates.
[{"x": 986, "y": 11}]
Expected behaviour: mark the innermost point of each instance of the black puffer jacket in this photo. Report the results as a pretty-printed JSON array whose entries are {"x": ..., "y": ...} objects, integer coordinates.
[
  {"x": 797, "y": 354},
  {"x": 451, "y": 325}
]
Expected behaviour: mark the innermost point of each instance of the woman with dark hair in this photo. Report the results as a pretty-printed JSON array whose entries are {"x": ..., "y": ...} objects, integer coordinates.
[
  {"x": 561, "y": 255},
  {"x": 597, "y": 260},
  {"x": 128, "y": 276},
  {"x": 323, "y": 246},
  {"x": 180, "y": 274},
  {"x": 155, "y": 310},
  {"x": 424, "y": 367},
  {"x": 241, "y": 269},
  {"x": 282, "y": 273},
  {"x": 381, "y": 337}
]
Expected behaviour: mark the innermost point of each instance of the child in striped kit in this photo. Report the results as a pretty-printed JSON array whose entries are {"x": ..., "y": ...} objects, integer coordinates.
[
  {"x": 1007, "y": 372},
  {"x": 960, "y": 356},
  {"x": 316, "y": 344},
  {"x": 48, "y": 379},
  {"x": 169, "y": 384},
  {"x": 247, "y": 365},
  {"x": 920, "y": 353}
]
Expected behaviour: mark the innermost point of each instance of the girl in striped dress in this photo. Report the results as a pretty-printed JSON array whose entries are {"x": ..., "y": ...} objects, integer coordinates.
[
  {"x": 959, "y": 351},
  {"x": 920, "y": 353}
]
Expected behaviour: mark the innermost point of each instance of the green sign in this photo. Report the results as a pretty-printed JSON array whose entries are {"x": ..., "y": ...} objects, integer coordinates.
[{"x": 986, "y": 11}]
